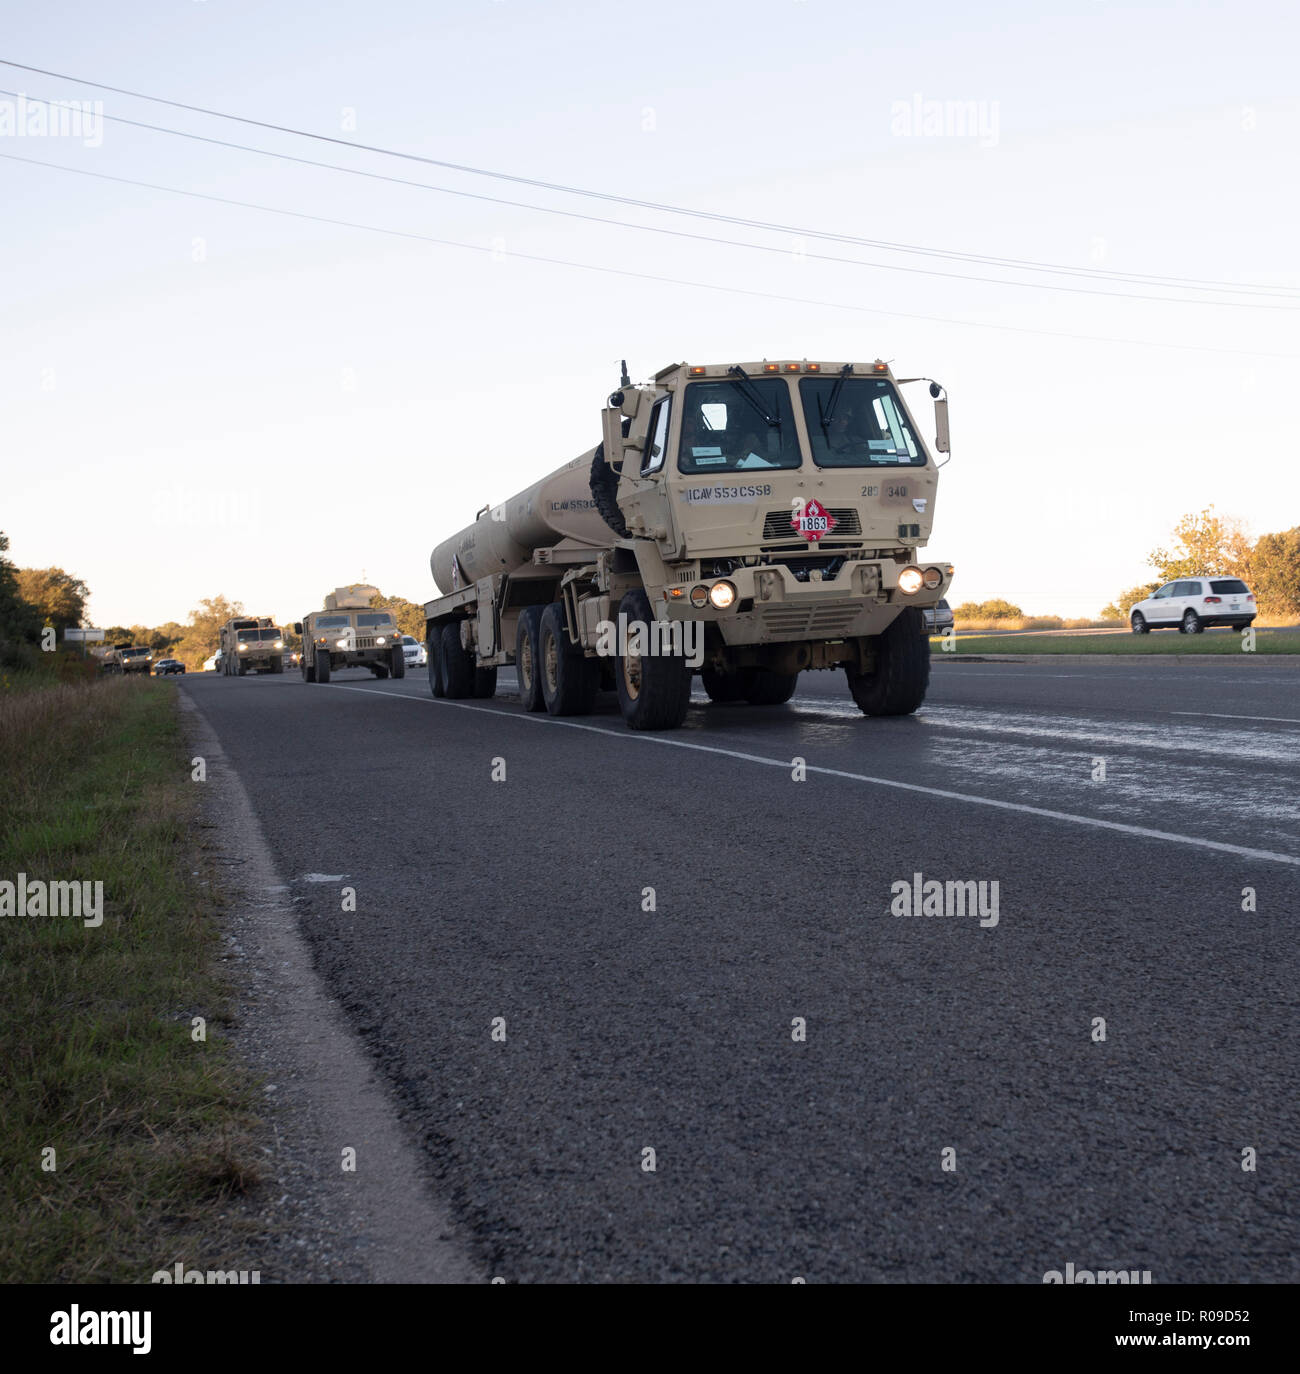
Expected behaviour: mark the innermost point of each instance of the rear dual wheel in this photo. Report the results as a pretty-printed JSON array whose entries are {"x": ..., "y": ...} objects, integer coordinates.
[{"x": 568, "y": 679}]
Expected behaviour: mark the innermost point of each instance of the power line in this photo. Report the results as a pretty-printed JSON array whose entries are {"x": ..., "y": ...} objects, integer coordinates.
[
  {"x": 1022, "y": 264},
  {"x": 673, "y": 233},
  {"x": 642, "y": 276}
]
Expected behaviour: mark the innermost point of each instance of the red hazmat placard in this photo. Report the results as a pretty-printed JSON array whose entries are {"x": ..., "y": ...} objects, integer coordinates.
[{"x": 813, "y": 521}]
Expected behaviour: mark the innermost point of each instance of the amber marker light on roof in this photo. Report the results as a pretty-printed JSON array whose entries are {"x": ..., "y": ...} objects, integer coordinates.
[
  {"x": 695, "y": 371},
  {"x": 771, "y": 367},
  {"x": 792, "y": 367},
  {"x": 812, "y": 367}
]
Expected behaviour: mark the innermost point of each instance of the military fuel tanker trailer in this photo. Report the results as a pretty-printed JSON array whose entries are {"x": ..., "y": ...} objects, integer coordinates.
[{"x": 746, "y": 522}]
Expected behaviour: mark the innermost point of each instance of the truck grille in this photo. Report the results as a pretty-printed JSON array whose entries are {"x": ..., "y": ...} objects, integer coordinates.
[
  {"x": 814, "y": 621},
  {"x": 365, "y": 641},
  {"x": 777, "y": 524}
]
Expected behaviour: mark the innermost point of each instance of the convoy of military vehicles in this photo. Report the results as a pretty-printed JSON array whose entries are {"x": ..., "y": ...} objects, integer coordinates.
[{"x": 743, "y": 522}]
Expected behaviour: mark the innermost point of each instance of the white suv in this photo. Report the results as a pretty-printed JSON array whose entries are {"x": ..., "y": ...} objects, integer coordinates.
[
  {"x": 414, "y": 652},
  {"x": 1192, "y": 603}
]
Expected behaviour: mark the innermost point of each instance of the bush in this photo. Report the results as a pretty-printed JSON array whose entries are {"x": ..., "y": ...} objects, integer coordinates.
[{"x": 996, "y": 609}]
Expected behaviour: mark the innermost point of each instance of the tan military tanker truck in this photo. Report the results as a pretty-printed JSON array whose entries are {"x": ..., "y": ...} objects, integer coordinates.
[
  {"x": 746, "y": 521},
  {"x": 251, "y": 644},
  {"x": 349, "y": 634}
]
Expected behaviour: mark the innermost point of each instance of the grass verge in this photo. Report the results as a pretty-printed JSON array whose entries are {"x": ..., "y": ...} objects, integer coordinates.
[
  {"x": 150, "y": 1128},
  {"x": 1170, "y": 642}
]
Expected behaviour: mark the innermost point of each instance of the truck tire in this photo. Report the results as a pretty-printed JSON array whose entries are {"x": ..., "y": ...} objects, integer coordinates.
[
  {"x": 457, "y": 663},
  {"x": 485, "y": 682},
  {"x": 569, "y": 679},
  {"x": 764, "y": 688},
  {"x": 322, "y": 665},
  {"x": 604, "y": 488},
  {"x": 902, "y": 672},
  {"x": 308, "y": 669},
  {"x": 723, "y": 686},
  {"x": 433, "y": 661},
  {"x": 528, "y": 657},
  {"x": 380, "y": 670},
  {"x": 654, "y": 690},
  {"x": 277, "y": 665},
  {"x": 399, "y": 661}
]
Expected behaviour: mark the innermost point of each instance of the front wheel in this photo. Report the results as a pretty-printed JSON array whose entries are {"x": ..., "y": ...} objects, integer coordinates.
[
  {"x": 323, "y": 666},
  {"x": 398, "y": 668},
  {"x": 896, "y": 685},
  {"x": 654, "y": 689},
  {"x": 1138, "y": 624},
  {"x": 1191, "y": 623},
  {"x": 433, "y": 664}
]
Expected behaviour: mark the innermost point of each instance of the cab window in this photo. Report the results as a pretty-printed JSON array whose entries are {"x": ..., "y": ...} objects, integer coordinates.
[
  {"x": 856, "y": 422},
  {"x": 741, "y": 426}
]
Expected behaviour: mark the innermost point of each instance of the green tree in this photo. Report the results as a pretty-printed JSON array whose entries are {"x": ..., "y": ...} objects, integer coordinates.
[
  {"x": 202, "y": 634},
  {"x": 20, "y": 621},
  {"x": 1275, "y": 575},
  {"x": 59, "y": 596},
  {"x": 409, "y": 616},
  {"x": 1125, "y": 601},
  {"x": 1204, "y": 543}
]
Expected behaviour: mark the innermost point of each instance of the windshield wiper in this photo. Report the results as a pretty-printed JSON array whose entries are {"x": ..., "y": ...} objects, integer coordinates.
[
  {"x": 751, "y": 393},
  {"x": 829, "y": 413}
]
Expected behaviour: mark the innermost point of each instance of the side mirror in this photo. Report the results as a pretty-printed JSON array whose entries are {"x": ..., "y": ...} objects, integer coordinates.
[
  {"x": 940, "y": 417},
  {"x": 297, "y": 627},
  {"x": 611, "y": 433}
]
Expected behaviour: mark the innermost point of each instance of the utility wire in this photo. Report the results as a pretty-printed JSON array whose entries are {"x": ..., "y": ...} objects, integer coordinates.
[
  {"x": 674, "y": 233},
  {"x": 640, "y": 276},
  {"x": 1021, "y": 264}
]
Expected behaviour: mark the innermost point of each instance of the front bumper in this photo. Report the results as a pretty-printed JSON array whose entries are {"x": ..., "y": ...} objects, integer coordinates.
[{"x": 774, "y": 605}]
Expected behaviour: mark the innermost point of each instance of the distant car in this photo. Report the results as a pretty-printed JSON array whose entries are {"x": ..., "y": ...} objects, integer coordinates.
[
  {"x": 210, "y": 665},
  {"x": 1192, "y": 604},
  {"x": 938, "y": 618},
  {"x": 168, "y": 667},
  {"x": 415, "y": 653}
]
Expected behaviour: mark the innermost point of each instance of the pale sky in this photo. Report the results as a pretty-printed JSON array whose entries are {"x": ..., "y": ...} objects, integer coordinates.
[{"x": 299, "y": 405}]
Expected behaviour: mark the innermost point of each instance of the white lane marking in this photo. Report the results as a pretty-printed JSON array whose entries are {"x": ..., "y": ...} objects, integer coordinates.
[
  {"x": 1224, "y": 715},
  {"x": 1021, "y": 807}
]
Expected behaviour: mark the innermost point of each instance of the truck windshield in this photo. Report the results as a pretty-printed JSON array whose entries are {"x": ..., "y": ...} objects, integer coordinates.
[
  {"x": 135, "y": 653},
  {"x": 737, "y": 427},
  {"x": 373, "y": 622},
  {"x": 857, "y": 422},
  {"x": 331, "y": 622},
  {"x": 259, "y": 634}
]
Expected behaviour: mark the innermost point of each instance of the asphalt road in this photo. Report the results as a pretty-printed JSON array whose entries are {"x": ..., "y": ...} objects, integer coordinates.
[{"x": 671, "y": 1029}]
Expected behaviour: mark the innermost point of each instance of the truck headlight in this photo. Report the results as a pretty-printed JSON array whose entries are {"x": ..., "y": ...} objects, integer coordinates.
[
  {"x": 910, "y": 580},
  {"x": 279, "y": 644},
  {"x": 932, "y": 577},
  {"x": 380, "y": 640},
  {"x": 722, "y": 594},
  {"x": 341, "y": 644},
  {"x": 243, "y": 648}
]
